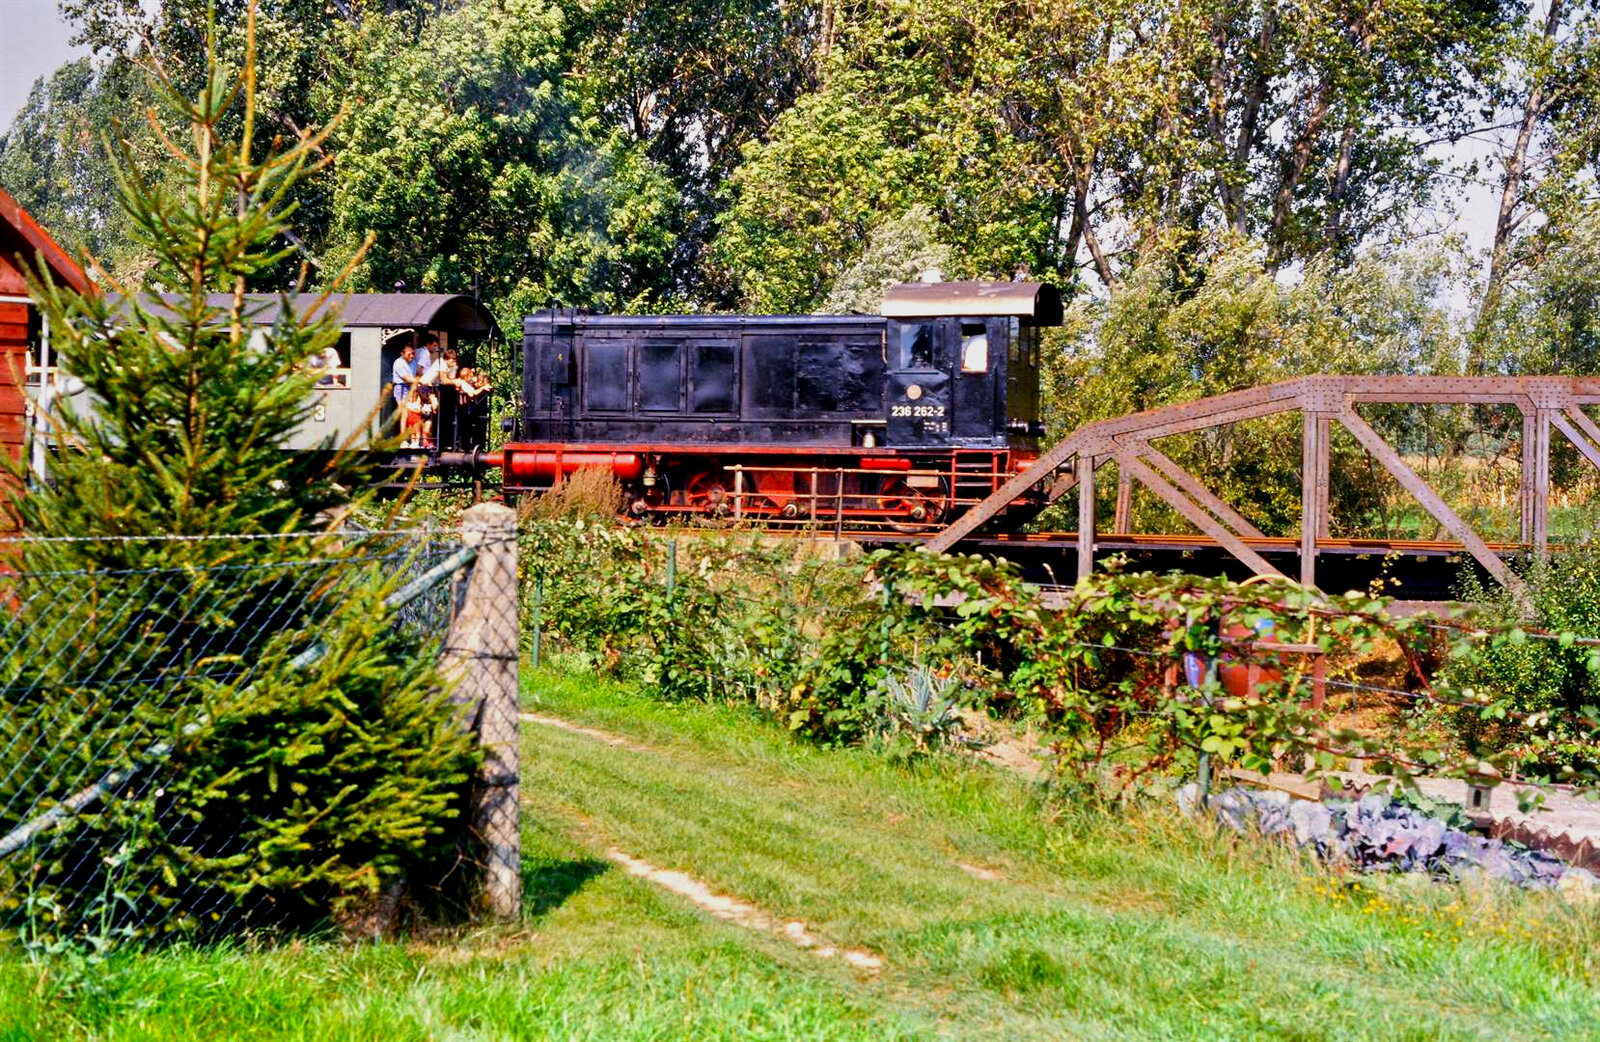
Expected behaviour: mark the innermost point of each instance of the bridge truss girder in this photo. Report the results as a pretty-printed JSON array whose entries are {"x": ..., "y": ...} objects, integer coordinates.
[{"x": 1544, "y": 402}]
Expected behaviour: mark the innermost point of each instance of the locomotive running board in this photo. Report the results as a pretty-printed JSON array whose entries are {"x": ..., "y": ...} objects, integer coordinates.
[{"x": 1543, "y": 401}]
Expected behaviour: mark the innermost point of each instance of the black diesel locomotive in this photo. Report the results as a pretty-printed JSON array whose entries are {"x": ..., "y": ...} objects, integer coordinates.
[{"x": 900, "y": 419}]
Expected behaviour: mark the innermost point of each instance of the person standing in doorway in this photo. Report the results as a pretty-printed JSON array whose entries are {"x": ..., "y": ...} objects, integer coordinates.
[
  {"x": 425, "y": 349},
  {"x": 403, "y": 377}
]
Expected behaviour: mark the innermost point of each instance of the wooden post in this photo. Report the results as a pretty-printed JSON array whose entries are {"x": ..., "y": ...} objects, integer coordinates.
[{"x": 481, "y": 657}]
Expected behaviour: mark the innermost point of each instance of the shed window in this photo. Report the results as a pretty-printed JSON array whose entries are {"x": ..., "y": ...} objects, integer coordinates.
[
  {"x": 974, "y": 348},
  {"x": 917, "y": 350}
]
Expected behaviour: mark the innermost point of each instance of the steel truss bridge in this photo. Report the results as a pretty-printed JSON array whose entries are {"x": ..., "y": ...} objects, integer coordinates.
[{"x": 1545, "y": 403}]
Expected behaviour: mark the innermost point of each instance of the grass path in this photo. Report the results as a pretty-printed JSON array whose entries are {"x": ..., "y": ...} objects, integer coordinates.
[
  {"x": 994, "y": 916},
  {"x": 1140, "y": 929}
]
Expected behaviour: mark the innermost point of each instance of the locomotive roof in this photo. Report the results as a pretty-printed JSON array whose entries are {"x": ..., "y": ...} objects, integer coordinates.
[
  {"x": 1038, "y": 301},
  {"x": 456, "y": 312}
]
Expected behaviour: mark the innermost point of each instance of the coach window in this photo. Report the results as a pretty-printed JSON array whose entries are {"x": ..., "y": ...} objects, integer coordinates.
[
  {"x": 917, "y": 340},
  {"x": 974, "y": 348}
]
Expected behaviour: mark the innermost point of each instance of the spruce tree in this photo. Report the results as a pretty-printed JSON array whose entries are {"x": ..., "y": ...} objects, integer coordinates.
[{"x": 246, "y": 791}]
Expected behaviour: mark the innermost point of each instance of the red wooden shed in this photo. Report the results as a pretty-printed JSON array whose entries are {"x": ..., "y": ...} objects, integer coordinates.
[{"x": 22, "y": 241}]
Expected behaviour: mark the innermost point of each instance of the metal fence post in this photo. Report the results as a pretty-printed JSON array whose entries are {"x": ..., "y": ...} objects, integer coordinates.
[
  {"x": 672, "y": 610},
  {"x": 885, "y": 625},
  {"x": 538, "y": 616},
  {"x": 481, "y": 654},
  {"x": 1203, "y": 768}
]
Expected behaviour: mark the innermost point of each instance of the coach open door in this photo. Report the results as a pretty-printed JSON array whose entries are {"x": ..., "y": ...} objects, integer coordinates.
[{"x": 918, "y": 397}]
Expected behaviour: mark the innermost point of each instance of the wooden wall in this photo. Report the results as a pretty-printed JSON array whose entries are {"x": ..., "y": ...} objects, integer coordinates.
[{"x": 14, "y": 320}]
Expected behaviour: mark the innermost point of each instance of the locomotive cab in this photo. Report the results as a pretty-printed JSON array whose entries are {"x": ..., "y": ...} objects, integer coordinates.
[{"x": 963, "y": 363}]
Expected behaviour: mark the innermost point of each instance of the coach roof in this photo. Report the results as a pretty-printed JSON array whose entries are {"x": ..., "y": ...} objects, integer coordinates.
[{"x": 451, "y": 311}]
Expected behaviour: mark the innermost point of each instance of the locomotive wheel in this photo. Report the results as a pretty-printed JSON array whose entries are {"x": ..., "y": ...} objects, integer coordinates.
[
  {"x": 910, "y": 509},
  {"x": 706, "y": 493}
]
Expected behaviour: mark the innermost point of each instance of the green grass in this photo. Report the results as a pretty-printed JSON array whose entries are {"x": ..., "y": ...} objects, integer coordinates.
[{"x": 1138, "y": 926}]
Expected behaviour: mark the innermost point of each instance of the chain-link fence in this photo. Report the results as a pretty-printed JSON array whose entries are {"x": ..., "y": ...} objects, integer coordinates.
[{"x": 235, "y": 734}]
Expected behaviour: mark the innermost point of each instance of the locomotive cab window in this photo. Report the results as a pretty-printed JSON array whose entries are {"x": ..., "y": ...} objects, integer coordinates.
[
  {"x": 974, "y": 348},
  {"x": 919, "y": 345}
]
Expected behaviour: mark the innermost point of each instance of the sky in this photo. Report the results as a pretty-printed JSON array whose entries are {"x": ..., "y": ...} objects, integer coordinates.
[{"x": 33, "y": 41}]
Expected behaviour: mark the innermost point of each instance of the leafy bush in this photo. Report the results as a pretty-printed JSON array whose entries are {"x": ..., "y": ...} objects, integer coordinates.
[
  {"x": 719, "y": 615},
  {"x": 1520, "y": 675},
  {"x": 831, "y": 651}
]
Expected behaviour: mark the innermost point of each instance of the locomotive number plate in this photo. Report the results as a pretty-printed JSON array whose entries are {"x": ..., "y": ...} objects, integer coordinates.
[{"x": 917, "y": 411}]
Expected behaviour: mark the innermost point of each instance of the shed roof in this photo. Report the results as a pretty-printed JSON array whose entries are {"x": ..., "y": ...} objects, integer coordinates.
[
  {"x": 1038, "y": 301},
  {"x": 455, "y": 312},
  {"x": 22, "y": 240}
]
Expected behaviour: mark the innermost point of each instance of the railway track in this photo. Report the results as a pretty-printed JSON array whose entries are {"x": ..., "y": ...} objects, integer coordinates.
[{"x": 1420, "y": 573}]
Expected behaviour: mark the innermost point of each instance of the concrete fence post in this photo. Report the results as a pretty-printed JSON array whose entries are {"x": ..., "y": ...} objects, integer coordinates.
[{"x": 481, "y": 656}]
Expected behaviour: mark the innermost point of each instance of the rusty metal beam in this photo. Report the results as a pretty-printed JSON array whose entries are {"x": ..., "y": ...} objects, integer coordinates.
[
  {"x": 1580, "y": 419},
  {"x": 1191, "y": 484},
  {"x": 1122, "y": 523},
  {"x": 1584, "y": 445},
  {"x": 1186, "y": 417},
  {"x": 1313, "y": 490},
  {"x": 1541, "y": 482},
  {"x": 1412, "y": 482},
  {"x": 1063, "y": 484},
  {"x": 1320, "y": 394},
  {"x": 1324, "y": 497},
  {"x": 1085, "y": 471},
  {"x": 1002, "y": 497},
  {"x": 1197, "y": 517},
  {"x": 1525, "y": 478}
]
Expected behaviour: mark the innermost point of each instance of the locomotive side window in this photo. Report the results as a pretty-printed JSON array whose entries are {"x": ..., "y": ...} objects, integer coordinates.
[
  {"x": 660, "y": 375},
  {"x": 605, "y": 375},
  {"x": 769, "y": 376},
  {"x": 918, "y": 345},
  {"x": 713, "y": 386},
  {"x": 974, "y": 348}
]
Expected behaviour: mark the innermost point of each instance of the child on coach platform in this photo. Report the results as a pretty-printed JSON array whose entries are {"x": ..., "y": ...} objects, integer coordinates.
[{"x": 416, "y": 420}]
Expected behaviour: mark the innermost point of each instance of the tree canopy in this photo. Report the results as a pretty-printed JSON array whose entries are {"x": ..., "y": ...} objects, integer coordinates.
[{"x": 744, "y": 154}]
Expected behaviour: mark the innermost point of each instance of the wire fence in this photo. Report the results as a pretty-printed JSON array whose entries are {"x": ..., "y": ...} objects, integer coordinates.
[{"x": 149, "y": 714}]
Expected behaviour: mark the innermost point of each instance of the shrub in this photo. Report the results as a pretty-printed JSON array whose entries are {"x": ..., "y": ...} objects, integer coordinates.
[
  {"x": 289, "y": 794},
  {"x": 920, "y": 705},
  {"x": 592, "y": 492},
  {"x": 701, "y": 614},
  {"x": 1517, "y": 676}
]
